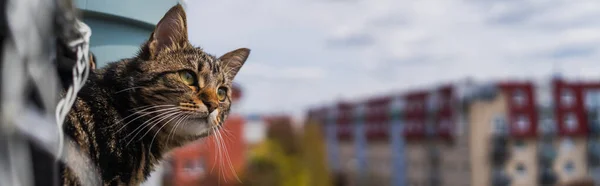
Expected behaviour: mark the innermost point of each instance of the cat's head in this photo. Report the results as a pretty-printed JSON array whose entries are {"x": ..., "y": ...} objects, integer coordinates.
[{"x": 189, "y": 91}]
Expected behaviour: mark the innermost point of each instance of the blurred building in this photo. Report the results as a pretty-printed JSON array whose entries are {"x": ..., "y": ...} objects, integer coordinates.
[
  {"x": 437, "y": 136},
  {"x": 118, "y": 30},
  {"x": 536, "y": 133},
  {"x": 498, "y": 133}
]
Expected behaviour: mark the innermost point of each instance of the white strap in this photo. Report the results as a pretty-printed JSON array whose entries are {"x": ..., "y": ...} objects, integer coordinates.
[{"x": 80, "y": 75}]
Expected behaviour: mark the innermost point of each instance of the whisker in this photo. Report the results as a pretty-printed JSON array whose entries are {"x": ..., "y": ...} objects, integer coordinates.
[
  {"x": 228, "y": 134},
  {"x": 147, "y": 123},
  {"x": 216, "y": 149},
  {"x": 167, "y": 110},
  {"x": 174, "y": 128},
  {"x": 134, "y": 114},
  {"x": 220, "y": 155},
  {"x": 178, "y": 114},
  {"x": 222, "y": 149},
  {"x": 222, "y": 173},
  {"x": 131, "y": 88},
  {"x": 148, "y": 107},
  {"x": 141, "y": 107},
  {"x": 158, "y": 122},
  {"x": 229, "y": 160}
]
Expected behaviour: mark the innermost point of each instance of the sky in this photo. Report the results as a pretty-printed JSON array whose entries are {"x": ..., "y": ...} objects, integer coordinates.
[{"x": 308, "y": 53}]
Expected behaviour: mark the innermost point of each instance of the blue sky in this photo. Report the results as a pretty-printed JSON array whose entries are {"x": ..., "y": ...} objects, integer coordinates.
[{"x": 313, "y": 52}]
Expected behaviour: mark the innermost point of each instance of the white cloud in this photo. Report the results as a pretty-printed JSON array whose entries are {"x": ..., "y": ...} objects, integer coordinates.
[
  {"x": 391, "y": 44},
  {"x": 258, "y": 70}
]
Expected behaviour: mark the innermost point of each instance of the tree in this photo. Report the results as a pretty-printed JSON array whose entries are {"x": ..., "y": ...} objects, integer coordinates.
[
  {"x": 278, "y": 159},
  {"x": 315, "y": 156}
]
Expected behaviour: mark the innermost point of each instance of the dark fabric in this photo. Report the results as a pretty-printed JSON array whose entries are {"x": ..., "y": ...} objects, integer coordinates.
[
  {"x": 45, "y": 167},
  {"x": 3, "y": 31},
  {"x": 65, "y": 61}
]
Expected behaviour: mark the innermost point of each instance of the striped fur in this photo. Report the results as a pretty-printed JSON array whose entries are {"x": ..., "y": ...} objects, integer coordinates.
[{"x": 117, "y": 119}]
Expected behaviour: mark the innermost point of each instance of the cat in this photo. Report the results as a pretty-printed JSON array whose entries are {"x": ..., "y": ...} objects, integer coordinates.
[{"x": 132, "y": 112}]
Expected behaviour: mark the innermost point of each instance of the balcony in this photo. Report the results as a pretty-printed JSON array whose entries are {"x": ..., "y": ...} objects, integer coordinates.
[
  {"x": 435, "y": 181},
  {"x": 547, "y": 176},
  {"x": 547, "y": 126},
  {"x": 594, "y": 122},
  {"x": 499, "y": 178},
  {"x": 594, "y": 154},
  {"x": 434, "y": 157},
  {"x": 546, "y": 154},
  {"x": 500, "y": 152}
]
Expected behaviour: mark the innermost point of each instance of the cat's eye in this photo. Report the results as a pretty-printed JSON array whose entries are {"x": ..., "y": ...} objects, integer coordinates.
[
  {"x": 221, "y": 93},
  {"x": 187, "y": 77}
]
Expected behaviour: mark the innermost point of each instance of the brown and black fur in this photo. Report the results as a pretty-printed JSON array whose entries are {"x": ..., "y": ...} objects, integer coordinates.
[{"x": 97, "y": 122}]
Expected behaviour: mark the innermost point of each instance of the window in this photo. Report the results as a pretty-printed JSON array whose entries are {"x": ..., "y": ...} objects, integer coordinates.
[
  {"x": 333, "y": 114},
  {"x": 433, "y": 102},
  {"x": 430, "y": 129},
  {"x": 499, "y": 125},
  {"x": 519, "y": 98},
  {"x": 397, "y": 107},
  {"x": 521, "y": 170},
  {"x": 194, "y": 166},
  {"x": 519, "y": 145},
  {"x": 567, "y": 144},
  {"x": 170, "y": 163},
  {"x": 359, "y": 112},
  {"x": 567, "y": 97},
  {"x": 592, "y": 99},
  {"x": 522, "y": 123},
  {"x": 570, "y": 122},
  {"x": 594, "y": 150},
  {"x": 548, "y": 152},
  {"x": 594, "y": 120},
  {"x": 547, "y": 125},
  {"x": 569, "y": 167}
]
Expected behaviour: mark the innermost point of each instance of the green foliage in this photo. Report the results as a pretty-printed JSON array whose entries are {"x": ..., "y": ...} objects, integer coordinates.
[
  {"x": 262, "y": 172},
  {"x": 315, "y": 156},
  {"x": 286, "y": 158},
  {"x": 278, "y": 160}
]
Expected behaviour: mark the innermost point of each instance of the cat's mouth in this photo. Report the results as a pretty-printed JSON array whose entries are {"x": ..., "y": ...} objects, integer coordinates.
[
  {"x": 200, "y": 125},
  {"x": 198, "y": 117},
  {"x": 204, "y": 116}
]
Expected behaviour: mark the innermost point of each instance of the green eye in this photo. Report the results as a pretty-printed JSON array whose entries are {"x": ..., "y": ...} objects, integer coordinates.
[
  {"x": 222, "y": 93},
  {"x": 187, "y": 77}
]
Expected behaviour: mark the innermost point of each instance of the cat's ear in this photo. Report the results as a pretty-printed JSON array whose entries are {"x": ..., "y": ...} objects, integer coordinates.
[
  {"x": 170, "y": 32},
  {"x": 234, "y": 60},
  {"x": 92, "y": 61}
]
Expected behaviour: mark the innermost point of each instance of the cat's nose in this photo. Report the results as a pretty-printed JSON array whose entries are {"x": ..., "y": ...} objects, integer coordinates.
[{"x": 211, "y": 105}]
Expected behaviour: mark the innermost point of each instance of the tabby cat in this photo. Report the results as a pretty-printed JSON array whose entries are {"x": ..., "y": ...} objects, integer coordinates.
[{"x": 131, "y": 112}]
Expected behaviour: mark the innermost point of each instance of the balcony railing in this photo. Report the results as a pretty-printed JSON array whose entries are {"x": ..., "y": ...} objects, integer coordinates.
[{"x": 500, "y": 152}]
